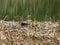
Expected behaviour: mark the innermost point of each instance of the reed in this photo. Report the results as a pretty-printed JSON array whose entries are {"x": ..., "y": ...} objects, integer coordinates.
[{"x": 37, "y": 8}]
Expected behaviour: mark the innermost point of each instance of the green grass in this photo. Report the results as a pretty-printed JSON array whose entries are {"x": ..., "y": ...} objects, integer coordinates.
[{"x": 37, "y": 8}]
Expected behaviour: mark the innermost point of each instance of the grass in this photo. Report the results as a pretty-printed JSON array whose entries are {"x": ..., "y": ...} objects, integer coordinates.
[{"x": 37, "y": 8}]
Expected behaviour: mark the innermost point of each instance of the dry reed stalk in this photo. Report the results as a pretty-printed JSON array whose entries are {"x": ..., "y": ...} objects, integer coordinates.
[
  {"x": 0, "y": 41},
  {"x": 8, "y": 36}
]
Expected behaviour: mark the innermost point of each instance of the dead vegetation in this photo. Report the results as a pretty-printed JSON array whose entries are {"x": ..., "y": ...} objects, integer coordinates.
[{"x": 31, "y": 33}]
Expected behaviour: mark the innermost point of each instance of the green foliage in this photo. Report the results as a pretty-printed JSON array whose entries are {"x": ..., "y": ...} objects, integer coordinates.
[{"x": 37, "y": 8}]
